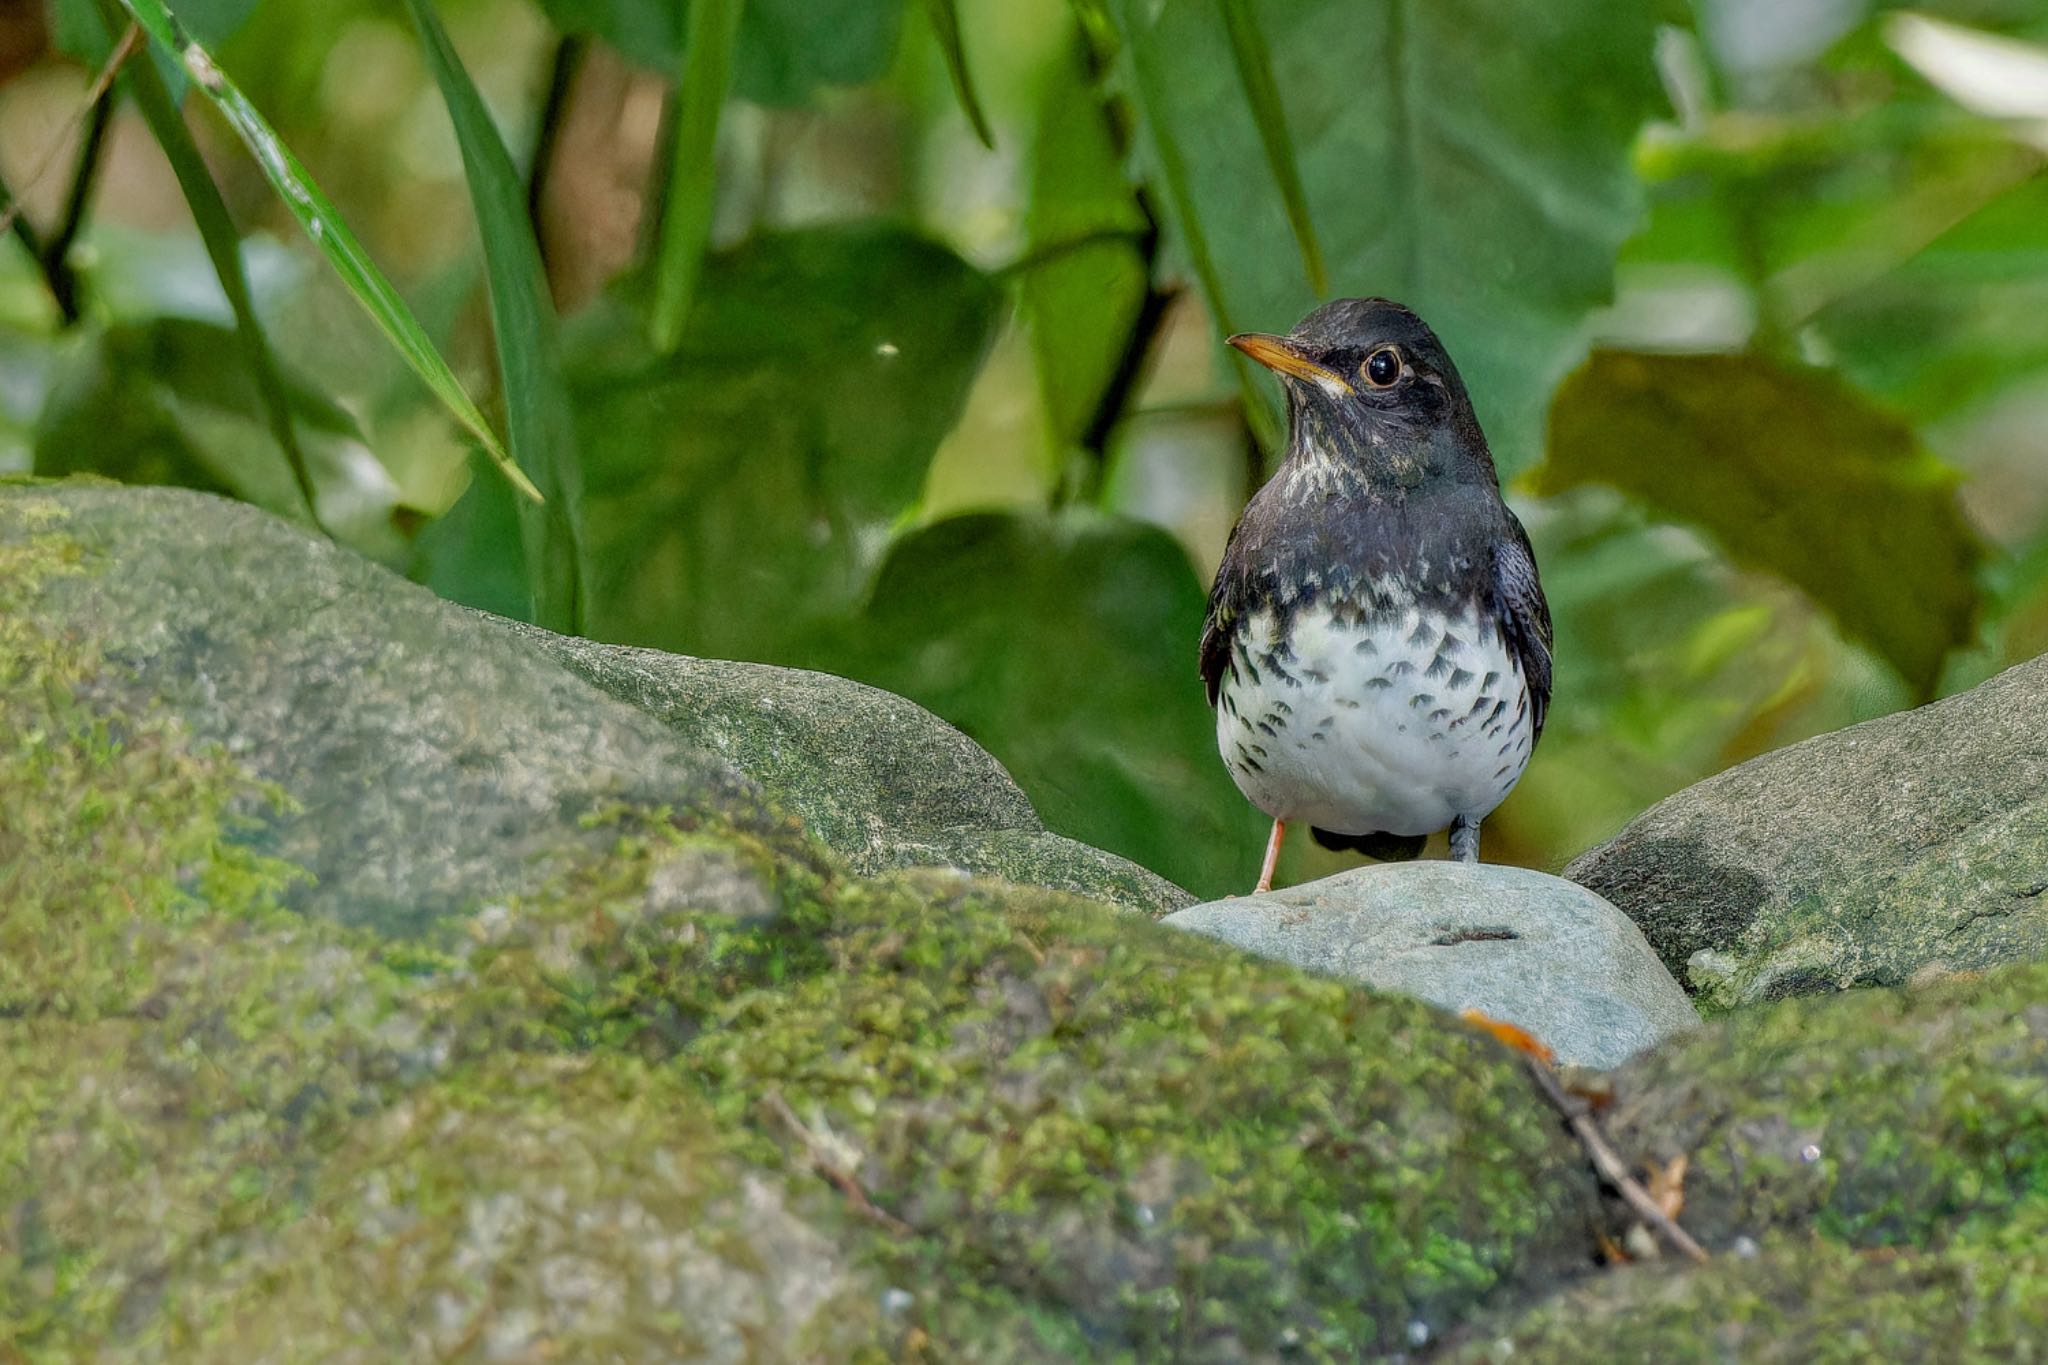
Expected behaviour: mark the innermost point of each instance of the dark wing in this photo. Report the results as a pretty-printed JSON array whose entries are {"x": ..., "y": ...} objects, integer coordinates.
[
  {"x": 1225, "y": 600},
  {"x": 1524, "y": 615}
]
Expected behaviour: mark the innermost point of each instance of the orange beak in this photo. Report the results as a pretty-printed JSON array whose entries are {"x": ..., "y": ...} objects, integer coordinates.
[{"x": 1282, "y": 356}]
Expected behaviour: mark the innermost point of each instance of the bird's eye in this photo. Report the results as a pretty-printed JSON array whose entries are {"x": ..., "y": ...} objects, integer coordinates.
[{"x": 1382, "y": 367}]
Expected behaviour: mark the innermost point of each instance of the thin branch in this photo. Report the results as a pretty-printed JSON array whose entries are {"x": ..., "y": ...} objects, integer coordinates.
[
  {"x": 816, "y": 1157},
  {"x": 554, "y": 110},
  {"x": 1608, "y": 1164},
  {"x": 57, "y": 270},
  {"x": 93, "y": 94}
]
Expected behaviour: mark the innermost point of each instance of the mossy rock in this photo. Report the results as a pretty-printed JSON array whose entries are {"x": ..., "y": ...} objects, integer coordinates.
[
  {"x": 676, "y": 1081},
  {"x": 1903, "y": 849},
  {"x": 877, "y": 778},
  {"x": 1870, "y": 1171}
]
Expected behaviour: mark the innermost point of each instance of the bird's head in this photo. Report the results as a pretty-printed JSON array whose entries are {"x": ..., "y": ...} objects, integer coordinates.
[{"x": 1372, "y": 391}]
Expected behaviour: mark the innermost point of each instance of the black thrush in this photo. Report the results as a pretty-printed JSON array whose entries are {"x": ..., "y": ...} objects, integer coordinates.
[{"x": 1377, "y": 647}]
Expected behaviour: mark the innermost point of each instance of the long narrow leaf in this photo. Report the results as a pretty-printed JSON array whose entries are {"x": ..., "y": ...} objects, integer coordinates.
[
  {"x": 1255, "y": 71},
  {"x": 714, "y": 28},
  {"x": 539, "y": 424},
  {"x": 318, "y": 216},
  {"x": 945, "y": 19},
  {"x": 1148, "y": 88},
  {"x": 223, "y": 247}
]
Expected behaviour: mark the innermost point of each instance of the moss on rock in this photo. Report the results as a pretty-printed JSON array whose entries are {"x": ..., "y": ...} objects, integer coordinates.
[{"x": 1804, "y": 1300}]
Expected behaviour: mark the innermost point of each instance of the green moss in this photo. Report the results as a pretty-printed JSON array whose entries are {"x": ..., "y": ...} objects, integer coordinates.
[
  {"x": 1801, "y": 1299},
  {"x": 105, "y": 820},
  {"x": 1879, "y": 1118},
  {"x": 1169, "y": 1146}
]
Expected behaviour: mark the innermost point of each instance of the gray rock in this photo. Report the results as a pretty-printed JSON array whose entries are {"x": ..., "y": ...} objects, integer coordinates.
[
  {"x": 435, "y": 755},
  {"x": 1901, "y": 850},
  {"x": 878, "y": 778},
  {"x": 1519, "y": 945}
]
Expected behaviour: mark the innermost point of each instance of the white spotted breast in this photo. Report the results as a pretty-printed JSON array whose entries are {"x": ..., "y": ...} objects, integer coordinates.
[{"x": 1391, "y": 722}]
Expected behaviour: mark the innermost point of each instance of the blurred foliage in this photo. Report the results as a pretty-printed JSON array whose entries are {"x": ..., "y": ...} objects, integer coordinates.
[{"x": 1752, "y": 296}]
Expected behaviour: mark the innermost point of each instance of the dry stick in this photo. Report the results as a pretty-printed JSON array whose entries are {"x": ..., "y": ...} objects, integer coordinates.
[
  {"x": 814, "y": 1154},
  {"x": 100, "y": 83},
  {"x": 1608, "y": 1164}
]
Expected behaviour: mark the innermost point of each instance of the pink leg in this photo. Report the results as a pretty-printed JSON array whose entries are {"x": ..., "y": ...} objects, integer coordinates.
[{"x": 1272, "y": 857}]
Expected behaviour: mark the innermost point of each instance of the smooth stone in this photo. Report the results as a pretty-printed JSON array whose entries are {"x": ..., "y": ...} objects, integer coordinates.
[
  {"x": 1895, "y": 852},
  {"x": 1519, "y": 945}
]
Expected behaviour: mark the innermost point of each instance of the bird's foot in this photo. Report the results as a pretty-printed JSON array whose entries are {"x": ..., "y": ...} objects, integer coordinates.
[
  {"x": 1272, "y": 858},
  {"x": 1464, "y": 840}
]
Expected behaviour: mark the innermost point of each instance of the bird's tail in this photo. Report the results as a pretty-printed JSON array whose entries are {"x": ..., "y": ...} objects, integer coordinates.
[{"x": 1387, "y": 848}]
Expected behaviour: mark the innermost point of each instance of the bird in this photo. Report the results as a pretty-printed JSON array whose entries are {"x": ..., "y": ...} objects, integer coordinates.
[{"x": 1377, "y": 646}]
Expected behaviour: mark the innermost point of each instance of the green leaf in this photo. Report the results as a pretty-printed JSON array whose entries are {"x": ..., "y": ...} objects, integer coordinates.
[
  {"x": 152, "y": 403},
  {"x": 223, "y": 248},
  {"x": 538, "y": 420},
  {"x": 740, "y": 491},
  {"x": 945, "y": 21},
  {"x": 323, "y": 223},
  {"x": 1066, "y": 646},
  {"x": 1083, "y": 282},
  {"x": 693, "y": 171},
  {"x": 1793, "y": 472},
  {"x": 1964, "y": 319},
  {"x": 1469, "y": 158},
  {"x": 787, "y": 49},
  {"x": 1255, "y": 70}
]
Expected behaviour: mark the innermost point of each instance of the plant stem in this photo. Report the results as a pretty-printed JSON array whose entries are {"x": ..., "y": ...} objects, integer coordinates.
[
  {"x": 562, "y": 72},
  {"x": 56, "y": 254}
]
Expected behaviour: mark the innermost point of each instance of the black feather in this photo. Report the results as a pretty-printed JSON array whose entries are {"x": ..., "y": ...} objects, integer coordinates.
[{"x": 1387, "y": 848}]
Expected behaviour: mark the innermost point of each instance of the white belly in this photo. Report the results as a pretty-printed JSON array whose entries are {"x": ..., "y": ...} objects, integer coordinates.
[{"x": 1392, "y": 726}]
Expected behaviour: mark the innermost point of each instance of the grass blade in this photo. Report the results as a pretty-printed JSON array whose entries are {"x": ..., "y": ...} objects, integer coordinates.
[
  {"x": 1147, "y": 90},
  {"x": 714, "y": 29},
  {"x": 223, "y": 248},
  {"x": 317, "y": 215},
  {"x": 1255, "y": 71},
  {"x": 539, "y": 424},
  {"x": 945, "y": 19}
]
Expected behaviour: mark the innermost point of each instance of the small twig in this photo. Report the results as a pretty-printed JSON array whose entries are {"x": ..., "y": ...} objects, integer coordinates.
[
  {"x": 1608, "y": 1164},
  {"x": 123, "y": 49},
  {"x": 816, "y": 1158},
  {"x": 57, "y": 251}
]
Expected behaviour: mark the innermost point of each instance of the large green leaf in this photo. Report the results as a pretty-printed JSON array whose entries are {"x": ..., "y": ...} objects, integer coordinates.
[
  {"x": 1794, "y": 473},
  {"x": 1467, "y": 157},
  {"x": 740, "y": 490},
  {"x": 1066, "y": 646},
  {"x": 1084, "y": 281},
  {"x": 787, "y": 48},
  {"x": 151, "y": 402},
  {"x": 1962, "y": 319},
  {"x": 538, "y": 422}
]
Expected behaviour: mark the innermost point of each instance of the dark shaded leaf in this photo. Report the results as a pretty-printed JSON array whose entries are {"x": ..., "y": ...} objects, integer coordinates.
[
  {"x": 1084, "y": 280},
  {"x": 1467, "y": 157},
  {"x": 1066, "y": 646},
  {"x": 152, "y": 403},
  {"x": 740, "y": 491},
  {"x": 539, "y": 425},
  {"x": 1794, "y": 473},
  {"x": 1255, "y": 70}
]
